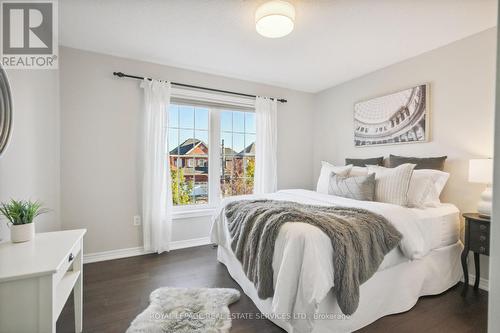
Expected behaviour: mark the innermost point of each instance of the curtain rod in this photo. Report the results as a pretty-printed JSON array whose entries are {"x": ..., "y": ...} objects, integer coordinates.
[{"x": 121, "y": 74}]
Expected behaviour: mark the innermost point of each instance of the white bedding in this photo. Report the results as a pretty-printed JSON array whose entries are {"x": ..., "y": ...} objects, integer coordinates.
[{"x": 302, "y": 261}]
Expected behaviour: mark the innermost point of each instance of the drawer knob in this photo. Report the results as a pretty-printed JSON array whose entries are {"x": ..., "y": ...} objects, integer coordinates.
[
  {"x": 482, "y": 249},
  {"x": 71, "y": 257},
  {"x": 482, "y": 227},
  {"x": 482, "y": 238}
]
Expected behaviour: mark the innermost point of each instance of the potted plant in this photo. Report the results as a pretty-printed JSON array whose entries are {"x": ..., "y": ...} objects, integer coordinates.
[{"x": 21, "y": 215}]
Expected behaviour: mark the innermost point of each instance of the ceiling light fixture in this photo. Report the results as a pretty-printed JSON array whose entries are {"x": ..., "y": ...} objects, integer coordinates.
[{"x": 275, "y": 19}]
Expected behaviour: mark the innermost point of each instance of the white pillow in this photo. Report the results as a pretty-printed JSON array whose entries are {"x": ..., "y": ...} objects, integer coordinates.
[
  {"x": 440, "y": 178},
  {"x": 358, "y": 171},
  {"x": 425, "y": 188},
  {"x": 391, "y": 184},
  {"x": 421, "y": 192},
  {"x": 326, "y": 171}
]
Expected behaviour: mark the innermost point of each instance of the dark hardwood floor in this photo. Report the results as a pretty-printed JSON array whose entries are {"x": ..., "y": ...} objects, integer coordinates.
[{"x": 116, "y": 291}]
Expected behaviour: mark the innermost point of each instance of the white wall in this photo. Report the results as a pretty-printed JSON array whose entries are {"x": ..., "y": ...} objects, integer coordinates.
[
  {"x": 100, "y": 124},
  {"x": 462, "y": 83},
  {"x": 29, "y": 168}
]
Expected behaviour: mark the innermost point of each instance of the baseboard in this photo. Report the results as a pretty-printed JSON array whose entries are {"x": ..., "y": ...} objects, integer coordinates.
[
  {"x": 113, "y": 254},
  {"x": 138, "y": 251},
  {"x": 483, "y": 283},
  {"x": 189, "y": 243}
]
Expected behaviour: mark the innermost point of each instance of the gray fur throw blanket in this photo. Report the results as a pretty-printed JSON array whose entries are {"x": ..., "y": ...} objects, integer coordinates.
[{"x": 360, "y": 240}]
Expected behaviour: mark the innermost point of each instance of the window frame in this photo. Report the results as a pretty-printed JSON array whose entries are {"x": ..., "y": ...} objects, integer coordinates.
[{"x": 215, "y": 103}]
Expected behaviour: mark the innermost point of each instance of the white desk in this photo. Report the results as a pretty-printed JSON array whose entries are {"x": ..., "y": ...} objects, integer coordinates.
[{"x": 36, "y": 279}]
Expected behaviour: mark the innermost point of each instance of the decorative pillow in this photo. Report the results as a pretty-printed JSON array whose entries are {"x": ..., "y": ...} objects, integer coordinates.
[
  {"x": 435, "y": 163},
  {"x": 421, "y": 192},
  {"x": 391, "y": 185},
  {"x": 362, "y": 162},
  {"x": 358, "y": 171},
  {"x": 440, "y": 179},
  {"x": 426, "y": 187},
  {"x": 358, "y": 187},
  {"x": 324, "y": 175}
]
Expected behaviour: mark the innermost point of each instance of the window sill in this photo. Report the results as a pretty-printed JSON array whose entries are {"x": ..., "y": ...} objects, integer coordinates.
[{"x": 191, "y": 213}]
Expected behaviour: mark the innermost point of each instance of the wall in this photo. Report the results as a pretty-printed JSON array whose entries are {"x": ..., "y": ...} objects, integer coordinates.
[
  {"x": 100, "y": 124},
  {"x": 462, "y": 81},
  {"x": 29, "y": 168}
]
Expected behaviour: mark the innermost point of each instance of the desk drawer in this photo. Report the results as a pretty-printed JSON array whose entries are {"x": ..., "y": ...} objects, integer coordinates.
[{"x": 75, "y": 251}]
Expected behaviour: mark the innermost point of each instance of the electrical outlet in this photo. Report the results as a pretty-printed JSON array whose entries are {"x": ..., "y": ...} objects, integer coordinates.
[{"x": 137, "y": 221}]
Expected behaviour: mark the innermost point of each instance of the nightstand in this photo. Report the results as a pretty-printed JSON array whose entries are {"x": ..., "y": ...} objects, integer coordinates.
[{"x": 477, "y": 240}]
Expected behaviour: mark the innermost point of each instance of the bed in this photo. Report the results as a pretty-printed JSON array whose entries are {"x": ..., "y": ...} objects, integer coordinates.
[{"x": 426, "y": 262}]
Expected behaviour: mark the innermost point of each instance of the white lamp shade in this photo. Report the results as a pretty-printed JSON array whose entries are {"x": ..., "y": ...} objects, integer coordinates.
[
  {"x": 481, "y": 171},
  {"x": 275, "y": 19}
]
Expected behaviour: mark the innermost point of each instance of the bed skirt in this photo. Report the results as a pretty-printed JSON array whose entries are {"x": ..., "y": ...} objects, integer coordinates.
[{"x": 393, "y": 290}]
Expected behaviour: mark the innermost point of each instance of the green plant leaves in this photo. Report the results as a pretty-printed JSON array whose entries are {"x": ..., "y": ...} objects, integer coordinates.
[{"x": 20, "y": 211}]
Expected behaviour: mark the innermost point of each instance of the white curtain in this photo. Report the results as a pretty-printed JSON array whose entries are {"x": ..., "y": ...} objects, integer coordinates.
[
  {"x": 156, "y": 185},
  {"x": 266, "y": 146}
]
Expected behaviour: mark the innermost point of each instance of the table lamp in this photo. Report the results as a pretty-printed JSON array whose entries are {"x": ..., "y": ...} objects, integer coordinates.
[{"x": 481, "y": 171}]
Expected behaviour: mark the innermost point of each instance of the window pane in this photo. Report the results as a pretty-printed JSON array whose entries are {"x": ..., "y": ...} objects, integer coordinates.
[
  {"x": 249, "y": 165},
  {"x": 237, "y": 153},
  {"x": 238, "y": 186},
  {"x": 227, "y": 139},
  {"x": 200, "y": 191},
  {"x": 225, "y": 186},
  {"x": 203, "y": 137},
  {"x": 186, "y": 116},
  {"x": 173, "y": 140},
  {"x": 226, "y": 144},
  {"x": 182, "y": 188},
  {"x": 201, "y": 118},
  {"x": 250, "y": 144},
  {"x": 238, "y": 142},
  {"x": 227, "y": 154},
  {"x": 238, "y": 170},
  {"x": 226, "y": 121},
  {"x": 175, "y": 183},
  {"x": 250, "y": 122},
  {"x": 188, "y": 149},
  {"x": 239, "y": 121},
  {"x": 186, "y": 183},
  {"x": 248, "y": 185},
  {"x": 185, "y": 137},
  {"x": 173, "y": 116}
]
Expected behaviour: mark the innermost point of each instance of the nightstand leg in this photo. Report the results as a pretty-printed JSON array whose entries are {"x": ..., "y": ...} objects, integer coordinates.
[
  {"x": 478, "y": 273},
  {"x": 466, "y": 272}
]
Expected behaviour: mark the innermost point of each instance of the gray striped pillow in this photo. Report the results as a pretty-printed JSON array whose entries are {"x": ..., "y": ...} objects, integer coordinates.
[
  {"x": 357, "y": 187},
  {"x": 391, "y": 184}
]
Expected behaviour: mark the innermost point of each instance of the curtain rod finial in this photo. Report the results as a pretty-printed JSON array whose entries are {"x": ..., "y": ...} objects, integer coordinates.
[{"x": 119, "y": 74}]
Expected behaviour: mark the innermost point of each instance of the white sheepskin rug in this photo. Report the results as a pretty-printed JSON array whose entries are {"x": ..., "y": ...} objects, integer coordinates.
[{"x": 186, "y": 310}]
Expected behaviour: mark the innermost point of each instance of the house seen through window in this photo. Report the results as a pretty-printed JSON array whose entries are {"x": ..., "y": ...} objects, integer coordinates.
[{"x": 189, "y": 137}]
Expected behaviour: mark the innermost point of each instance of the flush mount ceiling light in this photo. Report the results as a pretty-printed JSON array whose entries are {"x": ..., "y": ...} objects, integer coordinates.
[{"x": 275, "y": 19}]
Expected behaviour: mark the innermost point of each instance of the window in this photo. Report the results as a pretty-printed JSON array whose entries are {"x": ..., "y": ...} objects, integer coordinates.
[
  {"x": 237, "y": 142},
  {"x": 200, "y": 175}
]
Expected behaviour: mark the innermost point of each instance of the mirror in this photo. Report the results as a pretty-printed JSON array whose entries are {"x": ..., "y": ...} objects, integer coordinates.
[{"x": 5, "y": 110}]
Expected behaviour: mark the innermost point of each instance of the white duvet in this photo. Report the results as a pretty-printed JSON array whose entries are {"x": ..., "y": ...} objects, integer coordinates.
[{"x": 302, "y": 261}]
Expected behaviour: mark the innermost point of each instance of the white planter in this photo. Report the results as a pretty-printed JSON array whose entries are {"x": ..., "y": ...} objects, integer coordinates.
[{"x": 22, "y": 232}]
